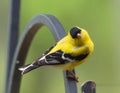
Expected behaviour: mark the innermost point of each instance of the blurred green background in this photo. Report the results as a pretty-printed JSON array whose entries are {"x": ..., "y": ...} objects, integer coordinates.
[{"x": 100, "y": 17}]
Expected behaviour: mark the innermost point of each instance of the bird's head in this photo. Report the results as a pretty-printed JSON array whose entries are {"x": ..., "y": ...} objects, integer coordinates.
[{"x": 79, "y": 35}]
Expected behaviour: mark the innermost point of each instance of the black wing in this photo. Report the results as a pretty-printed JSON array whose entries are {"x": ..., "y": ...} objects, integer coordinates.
[{"x": 59, "y": 57}]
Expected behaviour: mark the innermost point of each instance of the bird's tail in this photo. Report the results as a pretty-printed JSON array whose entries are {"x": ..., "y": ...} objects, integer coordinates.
[{"x": 27, "y": 68}]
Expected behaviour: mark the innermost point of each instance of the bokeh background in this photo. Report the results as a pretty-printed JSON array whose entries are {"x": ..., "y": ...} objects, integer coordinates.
[{"x": 100, "y": 17}]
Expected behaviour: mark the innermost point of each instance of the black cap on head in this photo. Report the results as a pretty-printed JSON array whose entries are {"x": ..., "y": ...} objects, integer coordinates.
[{"x": 74, "y": 31}]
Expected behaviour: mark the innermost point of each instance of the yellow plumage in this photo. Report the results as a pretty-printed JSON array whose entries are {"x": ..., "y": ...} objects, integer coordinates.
[{"x": 74, "y": 47}]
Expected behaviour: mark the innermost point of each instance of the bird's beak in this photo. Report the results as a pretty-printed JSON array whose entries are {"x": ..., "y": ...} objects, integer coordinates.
[{"x": 79, "y": 35}]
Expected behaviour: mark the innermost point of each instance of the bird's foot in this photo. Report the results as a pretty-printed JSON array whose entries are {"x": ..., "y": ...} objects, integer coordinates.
[{"x": 72, "y": 75}]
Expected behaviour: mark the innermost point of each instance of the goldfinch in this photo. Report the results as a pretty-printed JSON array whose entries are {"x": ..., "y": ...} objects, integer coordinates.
[{"x": 70, "y": 51}]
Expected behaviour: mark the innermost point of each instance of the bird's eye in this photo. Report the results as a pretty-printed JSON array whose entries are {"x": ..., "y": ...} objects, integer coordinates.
[{"x": 74, "y": 31}]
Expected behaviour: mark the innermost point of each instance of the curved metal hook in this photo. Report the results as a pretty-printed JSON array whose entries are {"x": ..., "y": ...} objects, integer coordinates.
[{"x": 23, "y": 45}]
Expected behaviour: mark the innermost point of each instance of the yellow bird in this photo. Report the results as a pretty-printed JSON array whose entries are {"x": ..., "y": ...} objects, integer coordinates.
[{"x": 70, "y": 51}]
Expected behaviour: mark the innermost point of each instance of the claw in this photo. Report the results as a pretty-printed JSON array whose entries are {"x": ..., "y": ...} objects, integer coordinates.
[{"x": 72, "y": 76}]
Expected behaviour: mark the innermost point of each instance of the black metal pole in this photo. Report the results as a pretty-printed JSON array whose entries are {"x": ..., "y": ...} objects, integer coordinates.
[
  {"x": 13, "y": 35},
  {"x": 70, "y": 85},
  {"x": 23, "y": 45},
  {"x": 88, "y": 87}
]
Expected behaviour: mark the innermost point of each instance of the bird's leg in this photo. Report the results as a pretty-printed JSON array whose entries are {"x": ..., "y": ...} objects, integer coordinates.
[{"x": 71, "y": 75}]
